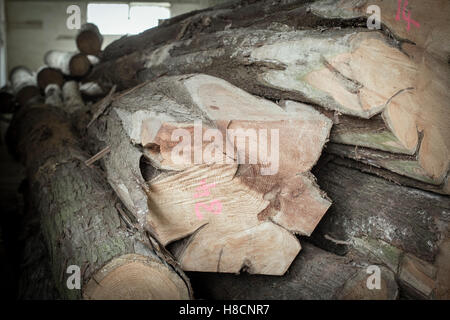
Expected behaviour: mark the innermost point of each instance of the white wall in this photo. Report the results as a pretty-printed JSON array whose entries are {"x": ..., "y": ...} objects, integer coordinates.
[{"x": 34, "y": 27}]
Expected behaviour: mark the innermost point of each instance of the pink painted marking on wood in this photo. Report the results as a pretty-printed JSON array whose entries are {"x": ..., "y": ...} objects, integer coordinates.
[
  {"x": 204, "y": 188},
  {"x": 406, "y": 18},
  {"x": 215, "y": 206}
]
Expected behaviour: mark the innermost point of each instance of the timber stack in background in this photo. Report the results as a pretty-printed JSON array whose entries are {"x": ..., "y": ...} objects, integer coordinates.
[{"x": 364, "y": 156}]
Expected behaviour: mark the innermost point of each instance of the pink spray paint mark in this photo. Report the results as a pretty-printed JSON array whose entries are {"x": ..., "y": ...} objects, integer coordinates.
[
  {"x": 215, "y": 206},
  {"x": 406, "y": 18},
  {"x": 205, "y": 188}
]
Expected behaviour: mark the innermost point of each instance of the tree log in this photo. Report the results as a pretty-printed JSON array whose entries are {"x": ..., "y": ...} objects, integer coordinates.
[
  {"x": 89, "y": 40},
  {"x": 403, "y": 228},
  {"x": 405, "y": 165},
  {"x": 337, "y": 67},
  {"x": 257, "y": 210},
  {"x": 24, "y": 85},
  {"x": 82, "y": 220},
  {"x": 70, "y": 63},
  {"x": 314, "y": 275},
  {"x": 35, "y": 279},
  {"x": 46, "y": 76}
]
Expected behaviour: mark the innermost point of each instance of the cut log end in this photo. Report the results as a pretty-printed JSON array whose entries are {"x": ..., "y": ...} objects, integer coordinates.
[
  {"x": 48, "y": 76},
  {"x": 79, "y": 65},
  {"x": 88, "y": 42},
  {"x": 134, "y": 277}
]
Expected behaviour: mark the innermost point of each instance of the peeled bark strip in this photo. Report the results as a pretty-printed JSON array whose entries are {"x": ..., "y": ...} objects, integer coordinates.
[
  {"x": 70, "y": 63},
  {"x": 314, "y": 275},
  {"x": 89, "y": 40},
  {"x": 264, "y": 14},
  {"x": 23, "y": 84},
  {"x": 388, "y": 222},
  {"x": 46, "y": 76},
  {"x": 391, "y": 176},
  {"x": 341, "y": 69},
  {"x": 82, "y": 220},
  {"x": 257, "y": 211},
  {"x": 401, "y": 164}
]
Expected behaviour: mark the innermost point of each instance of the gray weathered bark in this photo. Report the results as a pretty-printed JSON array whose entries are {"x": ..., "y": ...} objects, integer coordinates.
[{"x": 400, "y": 227}]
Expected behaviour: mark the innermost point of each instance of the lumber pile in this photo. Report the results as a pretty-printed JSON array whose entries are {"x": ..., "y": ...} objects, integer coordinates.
[{"x": 270, "y": 150}]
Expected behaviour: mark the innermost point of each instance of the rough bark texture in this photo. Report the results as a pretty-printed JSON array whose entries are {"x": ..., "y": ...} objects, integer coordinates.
[
  {"x": 82, "y": 220},
  {"x": 36, "y": 281},
  {"x": 257, "y": 211},
  {"x": 387, "y": 222},
  {"x": 406, "y": 165},
  {"x": 389, "y": 175},
  {"x": 314, "y": 274}
]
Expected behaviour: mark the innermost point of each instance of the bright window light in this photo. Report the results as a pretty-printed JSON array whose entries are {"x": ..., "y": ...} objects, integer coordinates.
[{"x": 133, "y": 18}]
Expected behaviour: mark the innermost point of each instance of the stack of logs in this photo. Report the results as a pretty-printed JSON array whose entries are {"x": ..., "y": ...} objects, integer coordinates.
[{"x": 362, "y": 135}]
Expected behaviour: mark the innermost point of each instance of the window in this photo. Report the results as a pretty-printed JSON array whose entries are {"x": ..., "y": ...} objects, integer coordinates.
[{"x": 121, "y": 18}]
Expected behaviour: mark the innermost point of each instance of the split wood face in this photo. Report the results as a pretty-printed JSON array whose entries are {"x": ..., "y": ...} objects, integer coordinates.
[{"x": 230, "y": 215}]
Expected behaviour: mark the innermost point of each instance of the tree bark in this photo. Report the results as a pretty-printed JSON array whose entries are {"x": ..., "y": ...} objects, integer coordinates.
[
  {"x": 403, "y": 228},
  {"x": 35, "y": 279},
  {"x": 83, "y": 222},
  {"x": 401, "y": 164}
]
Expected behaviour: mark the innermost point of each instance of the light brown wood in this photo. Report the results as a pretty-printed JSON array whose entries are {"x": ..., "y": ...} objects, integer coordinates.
[{"x": 259, "y": 214}]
